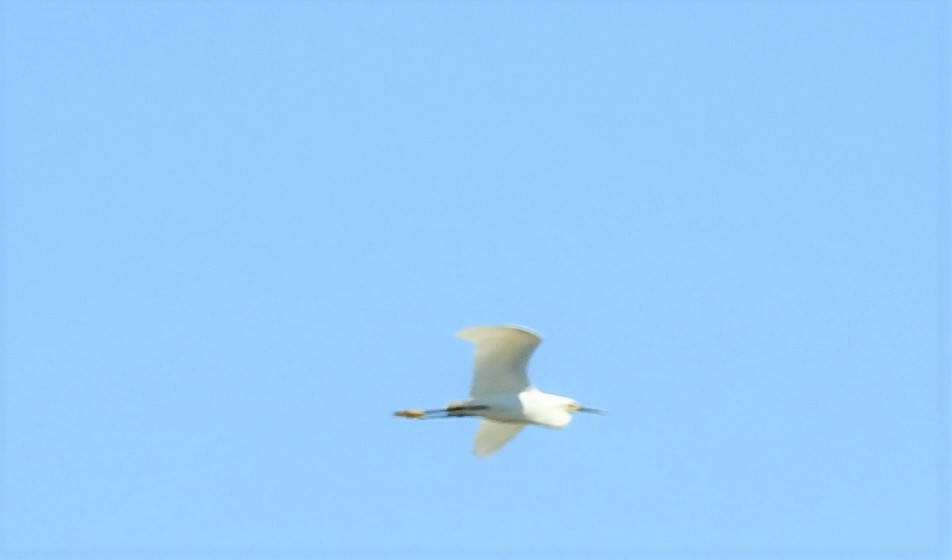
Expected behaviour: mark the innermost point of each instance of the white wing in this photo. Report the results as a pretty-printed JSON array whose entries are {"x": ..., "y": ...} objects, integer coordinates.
[
  {"x": 492, "y": 435},
  {"x": 499, "y": 363}
]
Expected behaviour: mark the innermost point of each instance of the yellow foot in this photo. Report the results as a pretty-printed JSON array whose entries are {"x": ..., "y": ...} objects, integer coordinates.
[{"x": 412, "y": 413}]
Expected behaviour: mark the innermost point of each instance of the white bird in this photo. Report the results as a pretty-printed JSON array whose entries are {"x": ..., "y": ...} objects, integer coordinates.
[{"x": 501, "y": 393}]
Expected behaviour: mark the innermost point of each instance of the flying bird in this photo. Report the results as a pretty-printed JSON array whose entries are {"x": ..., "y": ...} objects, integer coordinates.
[{"x": 501, "y": 393}]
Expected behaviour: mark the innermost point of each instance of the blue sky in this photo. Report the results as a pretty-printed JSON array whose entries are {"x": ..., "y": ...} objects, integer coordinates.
[{"x": 237, "y": 235}]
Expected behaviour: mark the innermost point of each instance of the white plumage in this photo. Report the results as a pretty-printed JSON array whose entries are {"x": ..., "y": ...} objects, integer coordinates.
[{"x": 501, "y": 392}]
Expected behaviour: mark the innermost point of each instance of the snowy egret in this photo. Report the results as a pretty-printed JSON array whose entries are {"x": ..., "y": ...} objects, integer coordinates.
[{"x": 500, "y": 392}]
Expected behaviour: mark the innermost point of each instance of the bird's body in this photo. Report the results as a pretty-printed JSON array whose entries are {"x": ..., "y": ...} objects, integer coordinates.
[
  {"x": 529, "y": 406},
  {"x": 501, "y": 393}
]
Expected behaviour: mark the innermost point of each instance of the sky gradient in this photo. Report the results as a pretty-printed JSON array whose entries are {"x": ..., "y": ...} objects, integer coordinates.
[{"x": 237, "y": 235}]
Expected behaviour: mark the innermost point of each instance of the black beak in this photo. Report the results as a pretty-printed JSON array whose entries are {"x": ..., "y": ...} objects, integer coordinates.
[{"x": 592, "y": 410}]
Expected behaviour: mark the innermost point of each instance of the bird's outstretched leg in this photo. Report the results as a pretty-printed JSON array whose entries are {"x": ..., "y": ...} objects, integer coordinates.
[
  {"x": 463, "y": 408},
  {"x": 453, "y": 410}
]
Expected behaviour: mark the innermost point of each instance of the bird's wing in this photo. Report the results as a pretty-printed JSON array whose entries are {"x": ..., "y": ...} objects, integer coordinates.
[
  {"x": 492, "y": 435},
  {"x": 499, "y": 363}
]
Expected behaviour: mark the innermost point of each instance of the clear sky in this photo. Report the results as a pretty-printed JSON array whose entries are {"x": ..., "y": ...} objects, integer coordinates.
[{"x": 237, "y": 235}]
